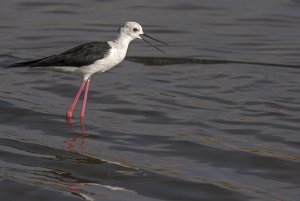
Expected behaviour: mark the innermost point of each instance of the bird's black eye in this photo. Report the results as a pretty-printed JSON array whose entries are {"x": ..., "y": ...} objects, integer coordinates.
[{"x": 135, "y": 29}]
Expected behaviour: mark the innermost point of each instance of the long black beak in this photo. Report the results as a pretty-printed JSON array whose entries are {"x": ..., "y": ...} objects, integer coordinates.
[{"x": 152, "y": 44}]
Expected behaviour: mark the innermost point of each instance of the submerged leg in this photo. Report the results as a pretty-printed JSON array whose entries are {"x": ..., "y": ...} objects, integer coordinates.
[
  {"x": 71, "y": 108},
  {"x": 84, "y": 99}
]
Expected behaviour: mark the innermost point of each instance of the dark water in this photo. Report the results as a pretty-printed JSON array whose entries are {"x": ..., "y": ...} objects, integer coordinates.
[{"x": 162, "y": 132}]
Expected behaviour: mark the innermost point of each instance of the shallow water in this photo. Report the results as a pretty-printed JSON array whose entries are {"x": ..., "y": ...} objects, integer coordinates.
[{"x": 186, "y": 131}]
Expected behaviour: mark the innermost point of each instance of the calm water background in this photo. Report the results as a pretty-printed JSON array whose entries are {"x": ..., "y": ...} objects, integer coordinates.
[{"x": 173, "y": 132}]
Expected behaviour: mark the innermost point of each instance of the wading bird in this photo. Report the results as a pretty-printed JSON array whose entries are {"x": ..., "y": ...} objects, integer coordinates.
[{"x": 91, "y": 58}]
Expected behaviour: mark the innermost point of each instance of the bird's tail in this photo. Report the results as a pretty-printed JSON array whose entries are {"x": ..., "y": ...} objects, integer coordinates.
[
  {"x": 21, "y": 64},
  {"x": 25, "y": 64}
]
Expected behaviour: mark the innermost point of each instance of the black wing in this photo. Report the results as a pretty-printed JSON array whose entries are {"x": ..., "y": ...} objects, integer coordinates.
[{"x": 78, "y": 56}]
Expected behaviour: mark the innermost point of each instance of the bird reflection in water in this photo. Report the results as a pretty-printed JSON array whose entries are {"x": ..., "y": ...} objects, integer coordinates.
[
  {"x": 75, "y": 189},
  {"x": 70, "y": 187},
  {"x": 78, "y": 142},
  {"x": 75, "y": 145}
]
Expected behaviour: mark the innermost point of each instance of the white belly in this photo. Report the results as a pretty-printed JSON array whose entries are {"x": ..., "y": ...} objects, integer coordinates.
[{"x": 114, "y": 57}]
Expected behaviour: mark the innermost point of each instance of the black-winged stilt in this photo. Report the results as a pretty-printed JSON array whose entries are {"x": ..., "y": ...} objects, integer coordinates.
[{"x": 91, "y": 58}]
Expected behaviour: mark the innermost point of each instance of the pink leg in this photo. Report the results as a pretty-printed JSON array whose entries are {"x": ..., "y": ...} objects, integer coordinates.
[
  {"x": 71, "y": 108},
  {"x": 84, "y": 99}
]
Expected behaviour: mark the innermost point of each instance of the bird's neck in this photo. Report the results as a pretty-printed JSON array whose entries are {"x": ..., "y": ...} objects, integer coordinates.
[{"x": 123, "y": 39}]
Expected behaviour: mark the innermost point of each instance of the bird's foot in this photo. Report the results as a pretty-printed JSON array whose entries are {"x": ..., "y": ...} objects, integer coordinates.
[{"x": 68, "y": 116}]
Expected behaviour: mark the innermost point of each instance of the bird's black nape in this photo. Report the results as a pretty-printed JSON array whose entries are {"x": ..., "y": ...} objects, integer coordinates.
[{"x": 146, "y": 35}]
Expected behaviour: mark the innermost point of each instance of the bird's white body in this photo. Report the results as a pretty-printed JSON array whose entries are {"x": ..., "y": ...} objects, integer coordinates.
[{"x": 115, "y": 56}]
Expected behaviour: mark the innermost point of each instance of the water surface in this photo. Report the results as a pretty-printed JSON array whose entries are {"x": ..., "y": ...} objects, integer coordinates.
[{"x": 186, "y": 131}]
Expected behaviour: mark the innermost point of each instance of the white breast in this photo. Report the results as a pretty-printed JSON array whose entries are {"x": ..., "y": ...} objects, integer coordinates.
[{"x": 116, "y": 55}]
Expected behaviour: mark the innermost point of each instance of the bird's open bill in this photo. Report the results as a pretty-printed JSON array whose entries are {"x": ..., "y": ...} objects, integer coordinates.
[{"x": 146, "y": 35}]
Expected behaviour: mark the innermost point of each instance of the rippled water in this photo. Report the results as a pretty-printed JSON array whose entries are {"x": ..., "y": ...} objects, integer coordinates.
[{"x": 187, "y": 131}]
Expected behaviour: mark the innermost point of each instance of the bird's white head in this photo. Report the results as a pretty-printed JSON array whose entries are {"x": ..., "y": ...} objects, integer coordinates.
[{"x": 131, "y": 29}]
